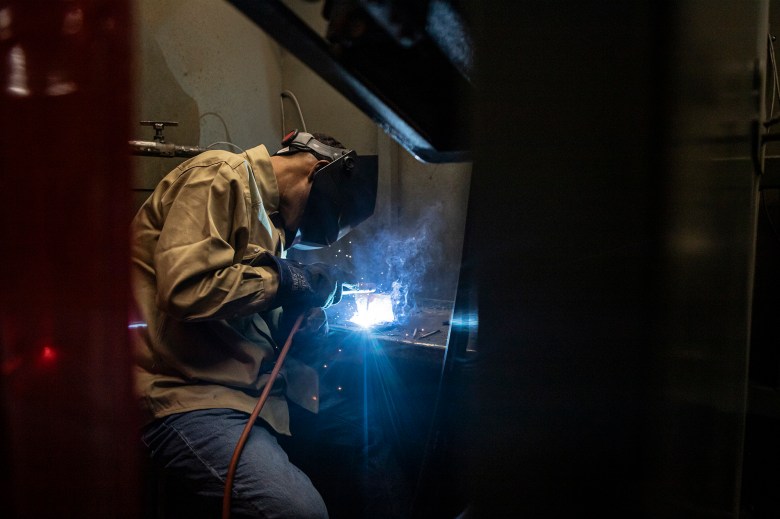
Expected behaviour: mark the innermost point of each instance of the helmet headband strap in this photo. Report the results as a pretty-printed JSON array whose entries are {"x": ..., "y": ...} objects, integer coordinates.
[{"x": 296, "y": 141}]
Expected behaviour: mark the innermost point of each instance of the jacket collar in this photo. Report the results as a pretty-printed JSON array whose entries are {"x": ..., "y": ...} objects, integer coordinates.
[{"x": 260, "y": 162}]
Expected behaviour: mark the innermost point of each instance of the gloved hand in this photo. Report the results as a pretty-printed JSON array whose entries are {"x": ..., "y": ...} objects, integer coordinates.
[
  {"x": 308, "y": 286},
  {"x": 309, "y": 345},
  {"x": 314, "y": 325}
]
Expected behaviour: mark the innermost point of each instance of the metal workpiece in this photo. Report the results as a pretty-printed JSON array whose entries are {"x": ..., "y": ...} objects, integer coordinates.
[{"x": 426, "y": 327}]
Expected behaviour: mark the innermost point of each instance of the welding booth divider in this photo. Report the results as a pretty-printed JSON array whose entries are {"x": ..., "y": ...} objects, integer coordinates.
[
  {"x": 611, "y": 248},
  {"x": 68, "y": 418}
]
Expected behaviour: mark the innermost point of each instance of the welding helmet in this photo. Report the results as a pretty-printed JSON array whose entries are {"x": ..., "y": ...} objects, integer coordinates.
[{"x": 343, "y": 193}]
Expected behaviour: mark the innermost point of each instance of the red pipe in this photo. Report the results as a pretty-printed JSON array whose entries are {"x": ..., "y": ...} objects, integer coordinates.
[{"x": 69, "y": 446}]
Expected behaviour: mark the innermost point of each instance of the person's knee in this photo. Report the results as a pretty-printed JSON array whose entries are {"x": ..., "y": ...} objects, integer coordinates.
[
  {"x": 300, "y": 499},
  {"x": 290, "y": 498},
  {"x": 300, "y": 507},
  {"x": 309, "y": 507}
]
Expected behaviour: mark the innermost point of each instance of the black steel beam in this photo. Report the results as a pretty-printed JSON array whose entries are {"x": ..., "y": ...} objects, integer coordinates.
[{"x": 412, "y": 94}]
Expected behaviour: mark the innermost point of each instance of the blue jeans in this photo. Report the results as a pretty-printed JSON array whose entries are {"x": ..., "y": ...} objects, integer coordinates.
[{"x": 194, "y": 450}]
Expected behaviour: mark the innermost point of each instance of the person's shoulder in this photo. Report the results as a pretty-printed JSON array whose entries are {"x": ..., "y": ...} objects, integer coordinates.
[
  {"x": 213, "y": 157},
  {"x": 211, "y": 164},
  {"x": 228, "y": 164}
]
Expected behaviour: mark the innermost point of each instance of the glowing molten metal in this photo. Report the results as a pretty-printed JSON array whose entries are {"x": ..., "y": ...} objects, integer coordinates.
[{"x": 373, "y": 309}]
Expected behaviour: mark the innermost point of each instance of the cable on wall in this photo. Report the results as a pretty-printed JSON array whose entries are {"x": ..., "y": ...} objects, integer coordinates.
[
  {"x": 287, "y": 93},
  {"x": 771, "y": 121}
]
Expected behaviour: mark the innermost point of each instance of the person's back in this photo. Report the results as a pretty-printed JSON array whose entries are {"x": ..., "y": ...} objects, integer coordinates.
[{"x": 204, "y": 285}]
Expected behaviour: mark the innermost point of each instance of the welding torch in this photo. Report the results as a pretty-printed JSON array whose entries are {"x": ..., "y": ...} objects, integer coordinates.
[{"x": 357, "y": 288}]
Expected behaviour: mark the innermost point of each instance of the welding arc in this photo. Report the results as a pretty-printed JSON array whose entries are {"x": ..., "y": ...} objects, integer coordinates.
[{"x": 253, "y": 417}]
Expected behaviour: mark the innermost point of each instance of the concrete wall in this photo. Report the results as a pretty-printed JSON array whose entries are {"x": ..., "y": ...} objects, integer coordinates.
[{"x": 206, "y": 66}]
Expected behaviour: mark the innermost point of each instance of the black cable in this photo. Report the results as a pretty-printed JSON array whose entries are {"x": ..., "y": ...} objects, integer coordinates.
[{"x": 289, "y": 94}]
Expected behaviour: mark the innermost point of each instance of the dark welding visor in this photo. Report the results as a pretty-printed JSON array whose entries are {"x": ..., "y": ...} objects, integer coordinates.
[{"x": 343, "y": 194}]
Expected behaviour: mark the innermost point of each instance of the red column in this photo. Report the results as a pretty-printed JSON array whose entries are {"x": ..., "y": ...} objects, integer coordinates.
[{"x": 69, "y": 440}]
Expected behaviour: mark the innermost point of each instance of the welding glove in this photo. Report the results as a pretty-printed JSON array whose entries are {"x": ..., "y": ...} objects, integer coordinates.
[
  {"x": 315, "y": 324},
  {"x": 308, "y": 286}
]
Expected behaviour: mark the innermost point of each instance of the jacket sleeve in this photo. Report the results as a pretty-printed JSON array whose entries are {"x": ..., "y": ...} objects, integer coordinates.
[{"x": 203, "y": 266}]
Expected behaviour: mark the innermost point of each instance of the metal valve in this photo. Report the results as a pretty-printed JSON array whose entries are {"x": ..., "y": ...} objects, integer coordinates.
[
  {"x": 159, "y": 126},
  {"x": 158, "y": 147}
]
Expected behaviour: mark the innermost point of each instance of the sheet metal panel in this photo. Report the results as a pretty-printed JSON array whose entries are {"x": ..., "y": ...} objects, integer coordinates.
[{"x": 613, "y": 256}]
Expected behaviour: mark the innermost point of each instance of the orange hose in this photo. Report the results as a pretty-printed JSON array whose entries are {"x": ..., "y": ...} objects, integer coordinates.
[{"x": 252, "y": 418}]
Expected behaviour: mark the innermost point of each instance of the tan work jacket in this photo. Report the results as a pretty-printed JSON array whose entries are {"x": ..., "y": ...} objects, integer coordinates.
[{"x": 204, "y": 287}]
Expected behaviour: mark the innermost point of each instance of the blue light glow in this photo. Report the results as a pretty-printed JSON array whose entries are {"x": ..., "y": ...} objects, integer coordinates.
[
  {"x": 372, "y": 309},
  {"x": 466, "y": 320}
]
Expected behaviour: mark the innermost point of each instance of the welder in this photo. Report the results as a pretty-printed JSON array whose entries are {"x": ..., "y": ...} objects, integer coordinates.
[{"x": 216, "y": 296}]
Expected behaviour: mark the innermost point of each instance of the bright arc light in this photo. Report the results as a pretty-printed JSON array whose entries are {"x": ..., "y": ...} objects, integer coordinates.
[{"x": 373, "y": 309}]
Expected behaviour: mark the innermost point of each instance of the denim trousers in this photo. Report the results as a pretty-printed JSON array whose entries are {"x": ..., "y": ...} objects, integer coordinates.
[
  {"x": 349, "y": 456},
  {"x": 192, "y": 453},
  {"x": 348, "y": 459}
]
